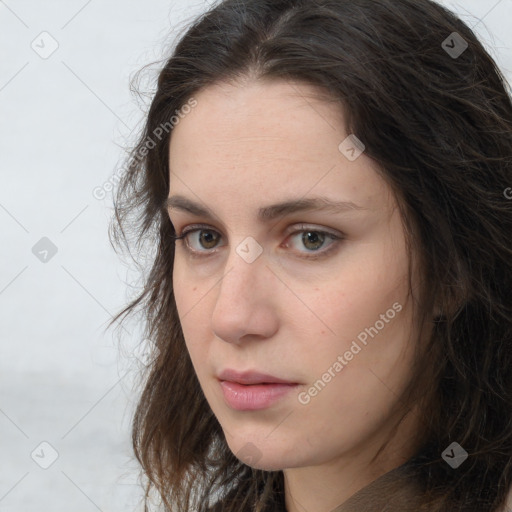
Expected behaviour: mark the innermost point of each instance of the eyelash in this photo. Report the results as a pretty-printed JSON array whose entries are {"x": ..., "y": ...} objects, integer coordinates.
[{"x": 303, "y": 228}]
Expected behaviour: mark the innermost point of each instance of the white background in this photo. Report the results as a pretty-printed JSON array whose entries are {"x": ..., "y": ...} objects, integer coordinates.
[{"x": 63, "y": 379}]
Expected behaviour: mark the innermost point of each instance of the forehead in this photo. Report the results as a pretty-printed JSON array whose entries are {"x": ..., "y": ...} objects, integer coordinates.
[
  {"x": 253, "y": 106},
  {"x": 270, "y": 113},
  {"x": 266, "y": 139}
]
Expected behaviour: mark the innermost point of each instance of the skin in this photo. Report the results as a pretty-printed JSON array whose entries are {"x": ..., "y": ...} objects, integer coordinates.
[{"x": 253, "y": 144}]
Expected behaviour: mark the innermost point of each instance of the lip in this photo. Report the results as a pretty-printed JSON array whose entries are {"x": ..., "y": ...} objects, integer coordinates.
[
  {"x": 251, "y": 377},
  {"x": 251, "y": 391}
]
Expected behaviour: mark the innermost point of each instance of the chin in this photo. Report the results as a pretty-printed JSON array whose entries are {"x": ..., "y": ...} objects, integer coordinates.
[
  {"x": 264, "y": 455},
  {"x": 264, "y": 464}
]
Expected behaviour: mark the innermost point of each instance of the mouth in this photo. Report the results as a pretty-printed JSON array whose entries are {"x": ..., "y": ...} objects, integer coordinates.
[{"x": 250, "y": 391}]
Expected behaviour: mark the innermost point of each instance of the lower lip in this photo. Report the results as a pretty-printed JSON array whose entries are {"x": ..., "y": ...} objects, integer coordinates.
[{"x": 255, "y": 396}]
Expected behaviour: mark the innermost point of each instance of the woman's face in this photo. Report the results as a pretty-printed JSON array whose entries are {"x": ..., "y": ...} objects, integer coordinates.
[{"x": 314, "y": 296}]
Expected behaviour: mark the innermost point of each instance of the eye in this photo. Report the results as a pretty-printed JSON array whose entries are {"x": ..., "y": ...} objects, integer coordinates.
[
  {"x": 207, "y": 239},
  {"x": 313, "y": 240},
  {"x": 202, "y": 240}
]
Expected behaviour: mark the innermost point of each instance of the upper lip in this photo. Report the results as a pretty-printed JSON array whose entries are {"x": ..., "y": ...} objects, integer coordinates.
[{"x": 250, "y": 377}]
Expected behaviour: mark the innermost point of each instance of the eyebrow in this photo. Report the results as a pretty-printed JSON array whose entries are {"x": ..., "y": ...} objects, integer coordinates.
[{"x": 271, "y": 212}]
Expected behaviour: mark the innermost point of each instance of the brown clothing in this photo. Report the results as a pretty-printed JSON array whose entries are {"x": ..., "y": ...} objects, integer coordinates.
[{"x": 398, "y": 483}]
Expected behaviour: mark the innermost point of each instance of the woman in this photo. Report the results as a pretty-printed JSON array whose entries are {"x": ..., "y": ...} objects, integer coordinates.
[{"x": 331, "y": 295}]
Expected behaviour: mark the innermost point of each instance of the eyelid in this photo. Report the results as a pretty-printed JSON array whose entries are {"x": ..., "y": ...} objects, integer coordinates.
[
  {"x": 336, "y": 238},
  {"x": 302, "y": 226},
  {"x": 295, "y": 229}
]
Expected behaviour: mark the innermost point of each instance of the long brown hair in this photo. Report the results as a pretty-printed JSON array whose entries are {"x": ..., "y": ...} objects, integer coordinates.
[{"x": 433, "y": 111}]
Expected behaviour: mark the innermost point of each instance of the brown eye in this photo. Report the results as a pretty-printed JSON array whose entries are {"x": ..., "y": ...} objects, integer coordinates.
[
  {"x": 208, "y": 239},
  {"x": 313, "y": 240},
  {"x": 313, "y": 244}
]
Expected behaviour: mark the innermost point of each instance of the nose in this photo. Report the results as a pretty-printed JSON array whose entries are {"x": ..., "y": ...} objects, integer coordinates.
[{"x": 246, "y": 305}]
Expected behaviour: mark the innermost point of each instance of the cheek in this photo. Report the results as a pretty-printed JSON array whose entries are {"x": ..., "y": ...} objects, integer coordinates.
[
  {"x": 357, "y": 303},
  {"x": 369, "y": 289},
  {"x": 367, "y": 324},
  {"x": 187, "y": 292},
  {"x": 190, "y": 303},
  {"x": 360, "y": 397}
]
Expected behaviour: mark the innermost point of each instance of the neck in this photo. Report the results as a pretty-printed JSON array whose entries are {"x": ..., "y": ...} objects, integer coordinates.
[{"x": 323, "y": 487}]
